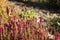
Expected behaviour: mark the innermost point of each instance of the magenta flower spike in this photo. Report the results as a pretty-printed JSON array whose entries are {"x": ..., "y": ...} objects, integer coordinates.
[
  {"x": 39, "y": 26},
  {"x": 41, "y": 19},
  {"x": 24, "y": 38},
  {"x": 13, "y": 23},
  {"x": 12, "y": 10},
  {"x": 28, "y": 21},
  {"x": 14, "y": 17},
  {"x": 19, "y": 20},
  {"x": 40, "y": 38},
  {"x": 1, "y": 29},
  {"x": 24, "y": 25},
  {"x": 14, "y": 32},
  {"x": 36, "y": 32},
  {"x": 53, "y": 29},
  {"x": 57, "y": 36},
  {"x": 26, "y": 29},
  {"x": 19, "y": 25},
  {"x": 31, "y": 38}
]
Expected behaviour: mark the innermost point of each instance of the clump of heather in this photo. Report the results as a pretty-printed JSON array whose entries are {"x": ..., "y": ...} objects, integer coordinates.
[{"x": 22, "y": 25}]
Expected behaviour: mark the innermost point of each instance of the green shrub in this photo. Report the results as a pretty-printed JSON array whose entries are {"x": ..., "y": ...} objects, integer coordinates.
[{"x": 55, "y": 22}]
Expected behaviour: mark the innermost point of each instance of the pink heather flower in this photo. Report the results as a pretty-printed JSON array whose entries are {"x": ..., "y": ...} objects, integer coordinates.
[
  {"x": 31, "y": 37},
  {"x": 36, "y": 32},
  {"x": 24, "y": 38},
  {"x": 19, "y": 20},
  {"x": 13, "y": 23},
  {"x": 12, "y": 10},
  {"x": 41, "y": 38},
  {"x": 52, "y": 29},
  {"x": 39, "y": 26},
  {"x": 1, "y": 29},
  {"x": 43, "y": 26},
  {"x": 57, "y": 36},
  {"x": 24, "y": 25},
  {"x": 14, "y": 32},
  {"x": 41, "y": 19},
  {"x": 19, "y": 25},
  {"x": 26, "y": 29},
  {"x": 6, "y": 24},
  {"x": 28, "y": 21},
  {"x": 42, "y": 34},
  {"x": 14, "y": 17},
  {"x": 31, "y": 22}
]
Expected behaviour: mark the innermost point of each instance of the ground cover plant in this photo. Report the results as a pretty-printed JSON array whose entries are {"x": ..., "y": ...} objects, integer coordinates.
[{"x": 24, "y": 25}]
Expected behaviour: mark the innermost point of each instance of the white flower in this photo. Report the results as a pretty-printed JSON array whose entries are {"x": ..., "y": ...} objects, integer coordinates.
[
  {"x": 58, "y": 23},
  {"x": 38, "y": 20},
  {"x": 51, "y": 36}
]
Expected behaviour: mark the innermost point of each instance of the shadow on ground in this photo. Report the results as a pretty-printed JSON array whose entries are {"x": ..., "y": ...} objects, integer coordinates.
[{"x": 45, "y": 6}]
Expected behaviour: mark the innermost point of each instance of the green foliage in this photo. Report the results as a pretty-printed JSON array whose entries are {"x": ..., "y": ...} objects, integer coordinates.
[
  {"x": 30, "y": 13},
  {"x": 55, "y": 22}
]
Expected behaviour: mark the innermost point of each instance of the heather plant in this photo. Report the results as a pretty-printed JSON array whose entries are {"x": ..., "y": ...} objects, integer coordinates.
[{"x": 23, "y": 23}]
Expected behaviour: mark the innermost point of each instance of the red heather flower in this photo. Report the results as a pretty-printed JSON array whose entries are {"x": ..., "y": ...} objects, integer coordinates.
[
  {"x": 12, "y": 10},
  {"x": 6, "y": 24},
  {"x": 32, "y": 22},
  {"x": 19, "y": 25},
  {"x": 24, "y": 25},
  {"x": 57, "y": 36},
  {"x": 14, "y": 17},
  {"x": 14, "y": 32},
  {"x": 52, "y": 29},
  {"x": 36, "y": 32},
  {"x": 19, "y": 20},
  {"x": 13, "y": 23},
  {"x": 31, "y": 37},
  {"x": 28, "y": 21},
  {"x": 42, "y": 34},
  {"x": 39, "y": 26},
  {"x": 24, "y": 38},
  {"x": 41, "y": 19},
  {"x": 43, "y": 26},
  {"x": 9, "y": 22},
  {"x": 26, "y": 29},
  {"x": 40, "y": 38},
  {"x": 1, "y": 29}
]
